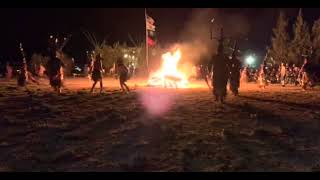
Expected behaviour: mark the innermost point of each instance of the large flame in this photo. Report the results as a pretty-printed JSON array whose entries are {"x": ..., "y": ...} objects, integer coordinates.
[{"x": 168, "y": 75}]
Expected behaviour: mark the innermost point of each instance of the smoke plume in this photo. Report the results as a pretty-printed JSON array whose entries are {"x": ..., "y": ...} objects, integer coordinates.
[{"x": 196, "y": 43}]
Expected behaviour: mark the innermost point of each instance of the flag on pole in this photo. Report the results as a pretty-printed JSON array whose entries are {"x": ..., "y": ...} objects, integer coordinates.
[
  {"x": 150, "y": 35},
  {"x": 151, "y": 28},
  {"x": 151, "y": 42},
  {"x": 150, "y": 24},
  {"x": 150, "y": 19}
]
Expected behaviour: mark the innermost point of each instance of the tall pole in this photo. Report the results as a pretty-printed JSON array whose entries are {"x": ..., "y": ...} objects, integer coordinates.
[{"x": 147, "y": 53}]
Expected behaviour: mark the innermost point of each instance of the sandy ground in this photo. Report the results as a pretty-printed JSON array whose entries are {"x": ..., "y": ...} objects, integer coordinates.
[{"x": 154, "y": 129}]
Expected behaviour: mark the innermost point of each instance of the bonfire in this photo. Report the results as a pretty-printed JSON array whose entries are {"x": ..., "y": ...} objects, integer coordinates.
[{"x": 168, "y": 75}]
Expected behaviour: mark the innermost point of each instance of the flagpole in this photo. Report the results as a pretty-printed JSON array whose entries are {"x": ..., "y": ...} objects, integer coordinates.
[{"x": 147, "y": 53}]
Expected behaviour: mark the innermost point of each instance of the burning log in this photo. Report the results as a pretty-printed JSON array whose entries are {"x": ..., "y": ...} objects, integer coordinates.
[{"x": 172, "y": 80}]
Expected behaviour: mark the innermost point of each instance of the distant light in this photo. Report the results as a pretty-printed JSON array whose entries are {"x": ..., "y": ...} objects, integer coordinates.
[
  {"x": 250, "y": 60},
  {"x": 125, "y": 56}
]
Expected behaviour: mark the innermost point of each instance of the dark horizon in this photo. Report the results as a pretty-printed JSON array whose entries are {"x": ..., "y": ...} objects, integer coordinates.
[{"x": 32, "y": 26}]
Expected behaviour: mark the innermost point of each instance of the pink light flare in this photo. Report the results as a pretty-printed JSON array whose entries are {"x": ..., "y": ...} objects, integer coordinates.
[{"x": 157, "y": 102}]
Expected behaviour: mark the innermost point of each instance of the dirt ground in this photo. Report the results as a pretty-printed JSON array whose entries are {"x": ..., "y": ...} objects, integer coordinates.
[{"x": 154, "y": 129}]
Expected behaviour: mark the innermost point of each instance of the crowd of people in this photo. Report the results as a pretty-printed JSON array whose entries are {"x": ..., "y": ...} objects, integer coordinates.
[
  {"x": 54, "y": 71},
  {"x": 223, "y": 70},
  {"x": 283, "y": 74}
]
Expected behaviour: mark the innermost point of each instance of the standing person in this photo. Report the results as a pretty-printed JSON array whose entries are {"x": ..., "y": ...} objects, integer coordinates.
[
  {"x": 24, "y": 76},
  {"x": 131, "y": 70},
  {"x": 244, "y": 75},
  {"x": 203, "y": 71},
  {"x": 289, "y": 74},
  {"x": 220, "y": 72},
  {"x": 123, "y": 72},
  {"x": 283, "y": 74},
  {"x": 89, "y": 67},
  {"x": 204, "y": 74},
  {"x": 42, "y": 69},
  {"x": 55, "y": 71},
  {"x": 235, "y": 74},
  {"x": 96, "y": 71},
  {"x": 261, "y": 77},
  {"x": 277, "y": 71},
  {"x": 267, "y": 71},
  {"x": 193, "y": 72},
  {"x": 9, "y": 71},
  {"x": 305, "y": 74},
  {"x": 296, "y": 74},
  {"x": 198, "y": 69}
]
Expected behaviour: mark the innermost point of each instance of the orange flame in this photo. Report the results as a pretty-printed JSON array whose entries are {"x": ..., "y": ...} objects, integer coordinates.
[{"x": 169, "y": 75}]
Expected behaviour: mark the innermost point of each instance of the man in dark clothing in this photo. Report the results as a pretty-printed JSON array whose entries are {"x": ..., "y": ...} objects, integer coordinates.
[
  {"x": 220, "y": 72},
  {"x": 23, "y": 74},
  {"x": 55, "y": 71},
  {"x": 96, "y": 70},
  {"x": 307, "y": 73},
  {"x": 123, "y": 74},
  {"x": 283, "y": 74},
  {"x": 9, "y": 71},
  {"x": 262, "y": 76},
  {"x": 204, "y": 74},
  {"x": 235, "y": 67}
]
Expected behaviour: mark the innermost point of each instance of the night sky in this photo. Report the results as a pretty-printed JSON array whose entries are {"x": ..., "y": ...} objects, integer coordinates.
[{"x": 33, "y": 26}]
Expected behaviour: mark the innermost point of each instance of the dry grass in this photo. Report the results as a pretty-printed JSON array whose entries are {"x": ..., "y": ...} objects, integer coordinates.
[{"x": 276, "y": 129}]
